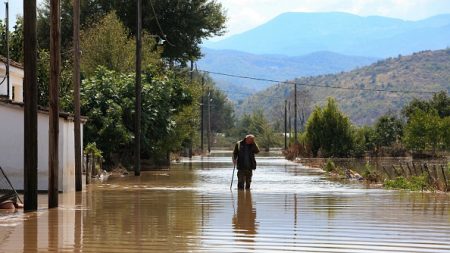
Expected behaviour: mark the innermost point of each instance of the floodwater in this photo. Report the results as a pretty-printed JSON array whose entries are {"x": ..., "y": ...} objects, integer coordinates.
[{"x": 190, "y": 208}]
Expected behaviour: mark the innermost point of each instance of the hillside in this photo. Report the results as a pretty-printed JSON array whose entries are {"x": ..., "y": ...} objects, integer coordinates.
[
  {"x": 275, "y": 67},
  {"x": 296, "y": 34},
  {"x": 424, "y": 71}
]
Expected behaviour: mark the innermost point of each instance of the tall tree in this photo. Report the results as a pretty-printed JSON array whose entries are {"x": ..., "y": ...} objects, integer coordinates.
[
  {"x": 184, "y": 24},
  {"x": 330, "y": 131},
  {"x": 107, "y": 44}
]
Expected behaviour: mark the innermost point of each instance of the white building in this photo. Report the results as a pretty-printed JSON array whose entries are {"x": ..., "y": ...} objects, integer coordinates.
[{"x": 12, "y": 136}]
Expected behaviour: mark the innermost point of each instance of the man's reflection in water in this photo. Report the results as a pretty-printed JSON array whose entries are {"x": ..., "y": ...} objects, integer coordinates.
[{"x": 244, "y": 220}]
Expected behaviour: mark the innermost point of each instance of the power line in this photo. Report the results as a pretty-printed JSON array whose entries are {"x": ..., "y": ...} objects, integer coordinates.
[
  {"x": 318, "y": 85},
  {"x": 159, "y": 25}
]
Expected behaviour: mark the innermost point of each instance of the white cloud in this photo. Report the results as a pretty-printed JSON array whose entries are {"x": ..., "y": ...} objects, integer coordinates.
[{"x": 246, "y": 14}]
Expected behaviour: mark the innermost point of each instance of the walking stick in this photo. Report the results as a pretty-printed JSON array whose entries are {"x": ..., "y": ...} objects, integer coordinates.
[{"x": 232, "y": 176}]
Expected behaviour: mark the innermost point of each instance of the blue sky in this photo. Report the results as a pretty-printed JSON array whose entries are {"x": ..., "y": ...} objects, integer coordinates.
[{"x": 246, "y": 14}]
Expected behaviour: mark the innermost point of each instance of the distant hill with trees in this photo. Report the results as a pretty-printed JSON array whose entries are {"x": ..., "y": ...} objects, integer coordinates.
[
  {"x": 424, "y": 71},
  {"x": 275, "y": 67}
]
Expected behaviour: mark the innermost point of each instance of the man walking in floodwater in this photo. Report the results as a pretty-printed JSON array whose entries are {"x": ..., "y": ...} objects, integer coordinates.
[{"x": 244, "y": 158}]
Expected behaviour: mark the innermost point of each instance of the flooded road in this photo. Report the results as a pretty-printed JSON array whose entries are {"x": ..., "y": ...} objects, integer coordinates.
[{"x": 190, "y": 208}]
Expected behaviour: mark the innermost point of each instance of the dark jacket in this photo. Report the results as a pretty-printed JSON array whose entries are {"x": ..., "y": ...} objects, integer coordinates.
[{"x": 239, "y": 154}]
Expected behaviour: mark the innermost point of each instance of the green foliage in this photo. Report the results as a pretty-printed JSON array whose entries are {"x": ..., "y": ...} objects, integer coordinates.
[
  {"x": 184, "y": 23},
  {"x": 388, "y": 130},
  {"x": 439, "y": 103},
  {"x": 107, "y": 100},
  {"x": 415, "y": 183},
  {"x": 422, "y": 132},
  {"x": 107, "y": 44},
  {"x": 65, "y": 85},
  {"x": 222, "y": 119},
  {"x": 330, "y": 131},
  {"x": 91, "y": 148},
  {"x": 329, "y": 166},
  {"x": 370, "y": 173},
  {"x": 258, "y": 125},
  {"x": 15, "y": 40}
]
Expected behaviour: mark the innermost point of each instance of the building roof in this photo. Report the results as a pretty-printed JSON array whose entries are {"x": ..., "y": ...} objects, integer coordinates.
[{"x": 11, "y": 62}]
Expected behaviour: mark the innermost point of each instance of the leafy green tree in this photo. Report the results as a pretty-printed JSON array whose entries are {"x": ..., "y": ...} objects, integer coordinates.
[
  {"x": 330, "y": 131},
  {"x": 445, "y": 132},
  {"x": 422, "y": 132},
  {"x": 107, "y": 100},
  {"x": 107, "y": 44},
  {"x": 388, "y": 130},
  {"x": 440, "y": 102},
  {"x": 183, "y": 24},
  {"x": 222, "y": 118},
  {"x": 15, "y": 40}
]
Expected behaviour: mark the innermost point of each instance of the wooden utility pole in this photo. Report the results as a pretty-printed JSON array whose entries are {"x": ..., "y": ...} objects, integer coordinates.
[
  {"x": 285, "y": 124},
  {"x": 191, "y": 139},
  {"x": 202, "y": 106},
  {"x": 7, "y": 49},
  {"x": 53, "y": 130},
  {"x": 138, "y": 91},
  {"x": 76, "y": 93},
  {"x": 295, "y": 114},
  {"x": 30, "y": 105},
  {"x": 209, "y": 121}
]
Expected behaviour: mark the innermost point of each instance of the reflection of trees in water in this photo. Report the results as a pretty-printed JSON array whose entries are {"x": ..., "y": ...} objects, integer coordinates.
[
  {"x": 244, "y": 220},
  {"x": 140, "y": 216}
]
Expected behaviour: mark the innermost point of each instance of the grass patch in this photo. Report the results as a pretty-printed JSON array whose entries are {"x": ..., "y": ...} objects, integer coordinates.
[{"x": 415, "y": 183}]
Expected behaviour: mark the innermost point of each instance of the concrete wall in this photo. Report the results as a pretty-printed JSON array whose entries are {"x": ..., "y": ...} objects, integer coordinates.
[{"x": 12, "y": 142}]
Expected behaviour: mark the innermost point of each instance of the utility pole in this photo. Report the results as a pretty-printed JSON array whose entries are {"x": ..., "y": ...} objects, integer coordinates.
[
  {"x": 202, "y": 106},
  {"x": 53, "y": 135},
  {"x": 209, "y": 121},
  {"x": 190, "y": 135},
  {"x": 30, "y": 105},
  {"x": 295, "y": 114},
  {"x": 138, "y": 91},
  {"x": 289, "y": 113},
  {"x": 7, "y": 49},
  {"x": 285, "y": 124},
  {"x": 76, "y": 93}
]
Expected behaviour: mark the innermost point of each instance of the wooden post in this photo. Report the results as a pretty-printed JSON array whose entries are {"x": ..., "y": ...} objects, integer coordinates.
[
  {"x": 445, "y": 177},
  {"x": 285, "y": 125},
  {"x": 76, "y": 93},
  {"x": 53, "y": 135},
  {"x": 409, "y": 169},
  {"x": 30, "y": 105},
  {"x": 202, "y": 106},
  {"x": 7, "y": 50},
  {"x": 138, "y": 91},
  {"x": 209, "y": 121},
  {"x": 295, "y": 114},
  {"x": 387, "y": 173},
  {"x": 88, "y": 168},
  {"x": 414, "y": 167},
  {"x": 191, "y": 138}
]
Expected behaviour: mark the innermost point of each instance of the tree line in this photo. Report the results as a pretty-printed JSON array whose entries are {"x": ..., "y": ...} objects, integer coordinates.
[{"x": 422, "y": 129}]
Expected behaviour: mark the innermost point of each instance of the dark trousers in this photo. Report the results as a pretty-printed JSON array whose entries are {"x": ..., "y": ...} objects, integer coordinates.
[{"x": 244, "y": 177}]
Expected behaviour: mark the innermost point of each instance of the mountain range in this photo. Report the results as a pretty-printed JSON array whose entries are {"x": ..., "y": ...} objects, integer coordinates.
[
  {"x": 272, "y": 67},
  {"x": 365, "y": 93},
  {"x": 296, "y": 34}
]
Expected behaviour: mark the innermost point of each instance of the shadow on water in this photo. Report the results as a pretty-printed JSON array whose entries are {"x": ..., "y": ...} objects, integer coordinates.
[{"x": 190, "y": 208}]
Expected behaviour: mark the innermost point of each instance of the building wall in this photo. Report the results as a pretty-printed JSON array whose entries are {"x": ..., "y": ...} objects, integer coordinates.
[
  {"x": 12, "y": 143},
  {"x": 16, "y": 82}
]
